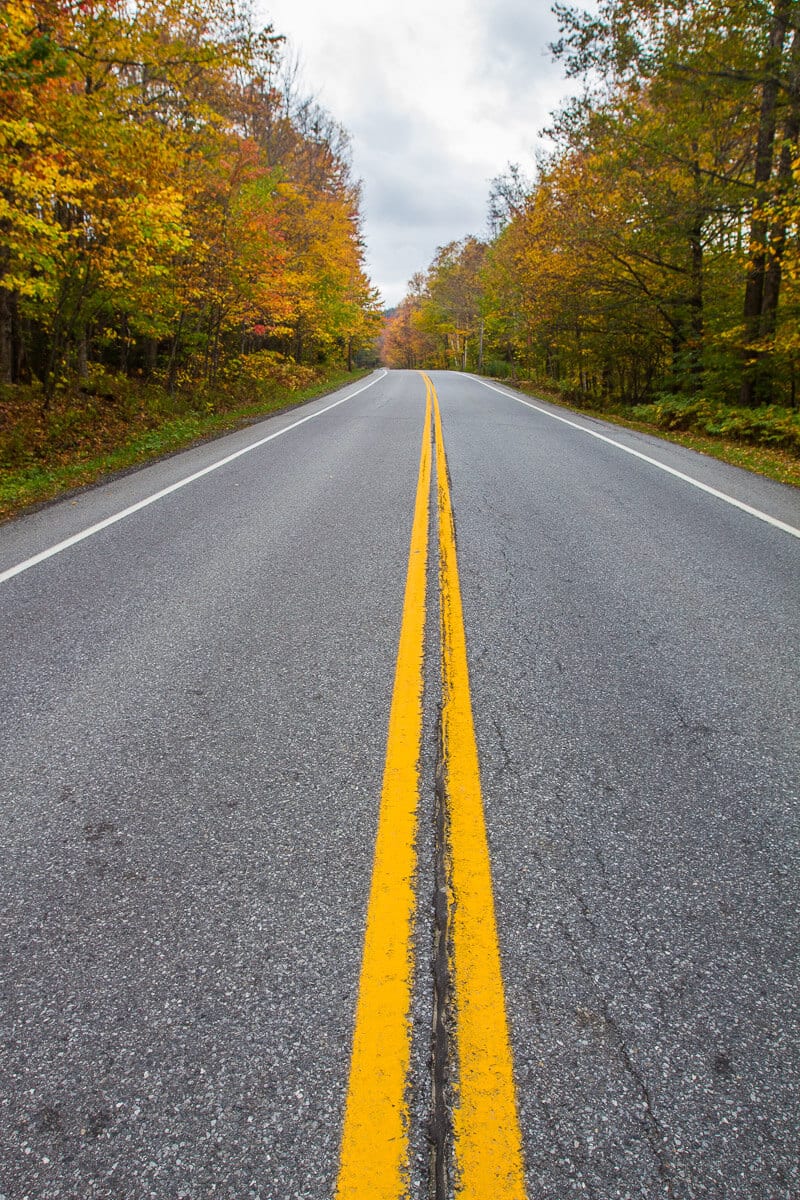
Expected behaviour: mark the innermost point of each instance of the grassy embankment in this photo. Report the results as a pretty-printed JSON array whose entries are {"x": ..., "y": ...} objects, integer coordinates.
[
  {"x": 765, "y": 440},
  {"x": 113, "y": 423}
]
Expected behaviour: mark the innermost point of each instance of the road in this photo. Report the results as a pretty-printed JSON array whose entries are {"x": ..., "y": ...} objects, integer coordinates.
[{"x": 196, "y": 705}]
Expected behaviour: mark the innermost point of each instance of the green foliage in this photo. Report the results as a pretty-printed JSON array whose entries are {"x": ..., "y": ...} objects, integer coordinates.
[
  {"x": 765, "y": 426},
  {"x": 498, "y": 368}
]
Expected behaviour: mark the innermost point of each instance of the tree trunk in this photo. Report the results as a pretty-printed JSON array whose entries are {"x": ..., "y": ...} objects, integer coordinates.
[
  {"x": 172, "y": 369},
  {"x": 215, "y": 350},
  {"x": 696, "y": 323},
  {"x": 778, "y": 230},
  {"x": 765, "y": 150},
  {"x": 51, "y": 362},
  {"x": 66, "y": 322},
  {"x": 83, "y": 357},
  {"x": 150, "y": 355},
  {"x": 7, "y": 356}
]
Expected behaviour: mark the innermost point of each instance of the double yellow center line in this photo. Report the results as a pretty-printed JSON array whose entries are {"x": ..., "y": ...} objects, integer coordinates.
[{"x": 375, "y": 1140}]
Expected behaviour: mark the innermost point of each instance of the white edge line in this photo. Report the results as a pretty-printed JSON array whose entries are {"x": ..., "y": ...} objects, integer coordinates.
[
  {"x": 704, "y": 487},
  {"x": 173, "y": 487}
]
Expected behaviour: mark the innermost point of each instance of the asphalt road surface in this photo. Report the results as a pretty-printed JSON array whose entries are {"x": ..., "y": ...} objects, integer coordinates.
[{"x": 195, "y": 705}]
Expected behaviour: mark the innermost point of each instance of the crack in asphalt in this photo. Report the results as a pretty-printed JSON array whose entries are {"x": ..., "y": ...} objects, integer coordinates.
[
  {"x": 507, "y": 763},
  {"x": 652, "y": 1128},
  {"x": 441, "y": 1125},
  {"x": 651, "y": 1125}
]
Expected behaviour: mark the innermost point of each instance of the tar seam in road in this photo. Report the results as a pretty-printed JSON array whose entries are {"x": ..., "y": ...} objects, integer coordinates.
[
  {"x": 441, "y": 1125},
  {"x": 487, "y": 1139}
]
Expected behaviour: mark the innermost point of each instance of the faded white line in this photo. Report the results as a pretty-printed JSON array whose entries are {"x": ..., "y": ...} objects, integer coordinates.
[
  {"x": 601, "y": 437},
  {"x": 173, "y": 487}
]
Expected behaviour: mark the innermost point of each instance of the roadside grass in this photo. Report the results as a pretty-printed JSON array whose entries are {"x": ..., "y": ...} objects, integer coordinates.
[
  {"x": 86, "y": 439},
  {"x": 780, "y": 462}
]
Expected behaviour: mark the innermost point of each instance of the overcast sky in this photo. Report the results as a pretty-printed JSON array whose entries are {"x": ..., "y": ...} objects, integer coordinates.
[{"x": 439, "y": 96}]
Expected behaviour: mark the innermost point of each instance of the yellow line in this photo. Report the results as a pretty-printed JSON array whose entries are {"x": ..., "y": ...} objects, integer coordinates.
[
  {"x": 373, "y": 1163},
  {"x": 488, "y": 1145}
]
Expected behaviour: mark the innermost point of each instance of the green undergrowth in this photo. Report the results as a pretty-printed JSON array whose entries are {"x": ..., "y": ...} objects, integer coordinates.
[
  {"x": 115, "y": 424},
  {"x": 765, "y": 440}
]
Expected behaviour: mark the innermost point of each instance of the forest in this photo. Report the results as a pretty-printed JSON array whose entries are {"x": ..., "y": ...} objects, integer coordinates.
[
  {"x": 181, "y": 230},
  {"x": 179, "y": 225},
  {"x": 652, "y": 257}
]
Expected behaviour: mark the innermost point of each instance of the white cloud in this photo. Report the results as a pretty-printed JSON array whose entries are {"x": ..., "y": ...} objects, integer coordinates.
[{"x": 438, "y": 96}]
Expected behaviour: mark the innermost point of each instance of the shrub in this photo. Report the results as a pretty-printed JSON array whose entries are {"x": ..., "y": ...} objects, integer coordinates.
[{"x": 768, "y": 426}]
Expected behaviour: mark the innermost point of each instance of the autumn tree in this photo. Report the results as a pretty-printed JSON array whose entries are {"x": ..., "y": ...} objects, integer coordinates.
[
  {"x": 724, "y": 76},
  {"x": 440, "y": 322},
  {"x": 161, "y": 198},
  {"x": 405, "y": 340}
]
